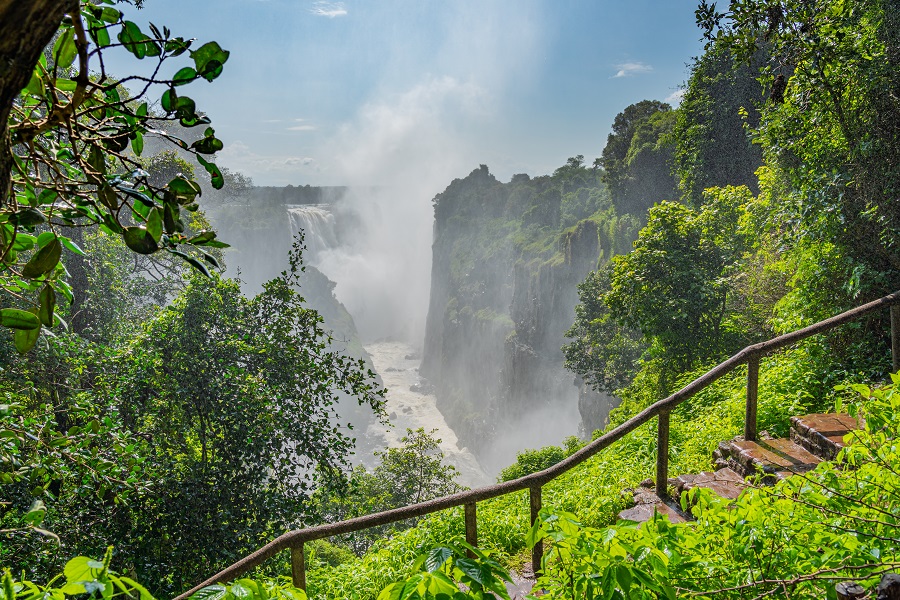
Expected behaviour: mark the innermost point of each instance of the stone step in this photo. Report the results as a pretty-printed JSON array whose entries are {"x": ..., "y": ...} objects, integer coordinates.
[
  {"x": 822, "y": 434},
  {"x": 646, "y": 503},
  {"x": 778, "y": 458},
  {"x": 725, "y": 483}
]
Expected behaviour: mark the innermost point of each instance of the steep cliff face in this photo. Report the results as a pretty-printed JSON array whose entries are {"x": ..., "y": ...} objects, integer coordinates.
[{"x": 506, "y": 262}]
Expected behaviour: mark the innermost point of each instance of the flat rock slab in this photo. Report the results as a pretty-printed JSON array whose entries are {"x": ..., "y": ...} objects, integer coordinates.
[
  {"x": 646, "y": 504},
  {"x": 822, "y": 434},
  {"x": 780, "y": 457},
  {"x": 725, "y": 483}
]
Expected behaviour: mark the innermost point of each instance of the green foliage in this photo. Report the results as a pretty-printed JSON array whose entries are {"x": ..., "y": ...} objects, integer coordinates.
[
  {"x": 674, "y": 285},
  {"x": 74, "y": 145},
  {"x": 82, "y": 576},
  {"x": 250, "y": 589},
  {"x": 830, "y": 127},
  {"x": 444, "y": 571},
  {"x": 714, "y": 122},
  {"x": 636, "y": 160},
  {"x": 411, "y": 473},
  {"x": 239, "y": 396},
  {"x": 626, "y": 562},
  {"x": 795, "y": 539},
  {"x": 86, "y": 577},
  {"x": 532, "y": 461},
  {"x": 603, "y": 353}
]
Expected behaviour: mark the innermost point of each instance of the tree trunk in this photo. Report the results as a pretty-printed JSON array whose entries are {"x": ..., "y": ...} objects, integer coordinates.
[{"x": 26, "y": 27}]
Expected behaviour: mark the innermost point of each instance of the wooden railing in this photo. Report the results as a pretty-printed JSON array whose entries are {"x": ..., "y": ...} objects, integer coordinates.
[{"x": 751, "y": 355}]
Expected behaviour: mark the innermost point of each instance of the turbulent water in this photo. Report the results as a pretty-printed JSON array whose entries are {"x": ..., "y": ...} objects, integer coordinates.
[
  {"x": 318, "y": 225},
  {"x": 398, "y": 366}
]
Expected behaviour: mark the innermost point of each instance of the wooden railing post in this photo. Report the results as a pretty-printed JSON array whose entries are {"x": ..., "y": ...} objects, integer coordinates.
[
  {"x": 895, "y": 336},
  {"x": 471, "y": 527},
  {"x": 537, "y": 553},
  {"x": 752, "y": 396},
  {"x": 298, "y": 566},
  {"x": 662, "y": 454}
]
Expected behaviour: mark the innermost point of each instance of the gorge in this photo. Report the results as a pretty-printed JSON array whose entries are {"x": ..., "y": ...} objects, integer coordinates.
[{"x": 505, "y": 263}]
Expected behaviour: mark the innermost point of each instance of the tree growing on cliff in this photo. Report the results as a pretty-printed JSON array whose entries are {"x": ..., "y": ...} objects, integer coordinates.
[{"x": 637, "y": 158}]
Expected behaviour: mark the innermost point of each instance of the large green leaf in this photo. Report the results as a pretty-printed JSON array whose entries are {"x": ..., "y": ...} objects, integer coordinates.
[
  {"x": 47, "y": 305},
  {"x": 18, "y": 319},
  {"x": 140, "y": 240},
  {"x": 27, "y": 217},
  {"x": 155, "y": 223},
  {"x": 64, "y": 49},
  {"x": 44, "y": 260},
  {"x": 25, "y": 339},
  {"x": 184, "y": 76},
  {"x": 81, "y": 569}
]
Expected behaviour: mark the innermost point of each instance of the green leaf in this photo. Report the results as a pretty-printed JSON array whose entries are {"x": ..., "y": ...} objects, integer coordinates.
[
  {"x": 47, "y": 305},
  {"x": 132, "y": 38},
  {"x": 197, "y": 265},
  {"x": 27, "y": 217},
  {"x": 436, "y": 558},
  {"x": 137, "y": 143},
  {"x": 184, "y": 76},
  {"x": 81, "y": 569},
  {"x": 169, "y": 100},
  {"x": 155, "y": 224},
  {"x": 208, "y": 145},
  {"x": 184, "y": 187},
  {"x": 139, "y": 240},
  {"x": 170, "y": 217},
  {"x": 24, "y": 242},
  {"x": 100, "y": 35},
  {"x": 215, "y": 174},
  {"x": 47, "y": 197},
  {"x": 64, "y": 50},
  {"x": 15, "y": 318},
  {"x": 19, "y": 319},
  {"x": 25, "y": 339},
  {"x": 136, "y": 194},
  {"x": 209, "y": 59},
  {"x": 44, "y": 260},
  {"x": 35, "y": 514},
  {"x": 45, "y": 238}
]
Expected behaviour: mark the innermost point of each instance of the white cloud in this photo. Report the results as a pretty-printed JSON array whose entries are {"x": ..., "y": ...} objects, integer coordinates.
[
  {"x": 329, "y": 9},
  {"x": 675, "y": 97},
  {"x": 302, "y": 128},
  {"x": 294, "y": 160},
  {"x": 273, "y": 169},
  {"x": 631, "y": 68}
]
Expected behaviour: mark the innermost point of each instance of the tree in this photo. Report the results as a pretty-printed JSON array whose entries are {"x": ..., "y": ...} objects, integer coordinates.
[
  {"x": 715, "y": 121},
  {"x": 830, "y": 127},
  {"x": 71, "y": 137},
  {"x": 674, "y": 285},
  {"x": 614, "y": 159},
  {"x": 411, "y": 473},
  {"x": 602, "y": 352},
  {"x": 239, "y": 396}
]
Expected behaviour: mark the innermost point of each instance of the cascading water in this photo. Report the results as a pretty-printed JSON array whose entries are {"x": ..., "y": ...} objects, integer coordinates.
[{"x": 318, "y": 225}]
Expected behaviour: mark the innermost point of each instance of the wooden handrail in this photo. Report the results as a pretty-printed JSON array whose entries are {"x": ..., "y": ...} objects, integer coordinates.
[{"x": 295, "y": 540}]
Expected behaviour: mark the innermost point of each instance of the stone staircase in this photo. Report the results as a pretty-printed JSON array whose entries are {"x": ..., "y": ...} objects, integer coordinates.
[{"x": 813, "y": 438}]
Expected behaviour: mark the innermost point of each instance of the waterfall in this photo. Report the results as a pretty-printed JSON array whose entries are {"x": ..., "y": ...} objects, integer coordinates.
[{"x": 317, "y": 224}]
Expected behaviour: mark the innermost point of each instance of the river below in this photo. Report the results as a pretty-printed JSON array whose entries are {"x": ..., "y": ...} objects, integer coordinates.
[{"x": 397, "y": 363}]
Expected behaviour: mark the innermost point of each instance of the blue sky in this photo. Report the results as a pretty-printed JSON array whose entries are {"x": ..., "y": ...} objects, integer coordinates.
[{"x": 328, "y": 93}]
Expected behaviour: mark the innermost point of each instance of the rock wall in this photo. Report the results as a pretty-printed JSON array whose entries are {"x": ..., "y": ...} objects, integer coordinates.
[{"x": 503, "y": 294}]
